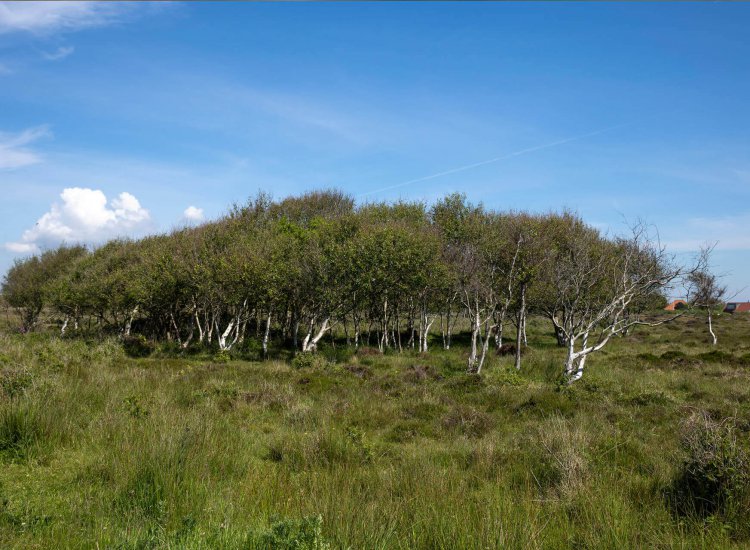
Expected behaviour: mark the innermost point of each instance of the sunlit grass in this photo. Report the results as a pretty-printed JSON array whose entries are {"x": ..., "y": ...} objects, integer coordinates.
[{"x": 394, "y": 451}]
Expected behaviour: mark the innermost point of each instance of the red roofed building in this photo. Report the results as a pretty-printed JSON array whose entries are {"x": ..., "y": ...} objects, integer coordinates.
[
  {"x": 737, "y": 307},
  {"x": 677, "y": 304}
]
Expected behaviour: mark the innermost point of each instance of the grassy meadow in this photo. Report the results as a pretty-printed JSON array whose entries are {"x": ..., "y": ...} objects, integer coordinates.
[{"x": 367, "y": 451}]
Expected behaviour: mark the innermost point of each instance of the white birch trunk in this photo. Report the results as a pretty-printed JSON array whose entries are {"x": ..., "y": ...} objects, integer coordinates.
[
  {"x": 129, "y": 322},
  {"x": 485, "y": 344},
  {"x": 266, "y": 335},
  {"x": 224, "y": 344},
  {"x": 521, "y": 328},
  {"x": 200, "y": 327},
  {"x": 711, "y": 328},
  {"x": 474, "y": 335},
  {"x": 310, "y": 344}
]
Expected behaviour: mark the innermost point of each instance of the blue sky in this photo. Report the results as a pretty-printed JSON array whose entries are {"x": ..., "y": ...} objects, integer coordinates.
[{"x": 116, "y": 118}]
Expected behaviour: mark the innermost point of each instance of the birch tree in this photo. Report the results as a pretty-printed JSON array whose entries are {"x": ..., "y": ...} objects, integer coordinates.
[
  {"x": 704, "y": 290},
  {"x": 596, "y": 280}
]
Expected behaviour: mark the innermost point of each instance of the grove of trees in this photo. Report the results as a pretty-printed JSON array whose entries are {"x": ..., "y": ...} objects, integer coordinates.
[{"x": 386, "y": 275}]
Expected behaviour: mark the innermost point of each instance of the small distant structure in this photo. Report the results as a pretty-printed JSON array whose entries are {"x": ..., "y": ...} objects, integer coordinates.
[
  {"x": 677, "y": 304},
  {"x": 737, "y": 307}
]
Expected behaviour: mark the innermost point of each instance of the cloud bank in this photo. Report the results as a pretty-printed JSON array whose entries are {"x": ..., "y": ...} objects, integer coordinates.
[{"x": 85, "y": 216}]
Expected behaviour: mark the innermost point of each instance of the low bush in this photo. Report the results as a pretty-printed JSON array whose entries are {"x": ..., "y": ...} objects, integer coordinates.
[
  {"x": 14, "y": 381},
  {"x": 420, "y": 373},
  {"x": 301, "y": 534},
  {"x": 714, "y": 476},
  {"x": 468, "y": 421},
  {"x": 223, "y": 356},
  {"x": 510, "y": 377},
  {"x": 137, "y": 346},
  {"x": 308, "y": 361}
]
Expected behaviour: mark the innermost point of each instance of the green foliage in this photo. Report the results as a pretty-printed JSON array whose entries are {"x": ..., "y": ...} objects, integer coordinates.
[
  {"x": 287, "y": 534},
  {"x": 137, "y": 346},
  {"x": 21, "y": 428},
  {"x": 714, "y": 477},
  {"x": 510, "y": 377},
  {"x": 223, "y": 356},
  {"x": 134, "y": 407},
  {"x": 308, "y": 361},
  {"x": 14, "y": 381}
]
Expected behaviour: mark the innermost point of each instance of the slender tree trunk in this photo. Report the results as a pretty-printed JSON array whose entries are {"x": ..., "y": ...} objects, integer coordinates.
[
  {"x": 310, "y": 344},
  {"x": 201, "y": 335},
  {"x": 210, "y": 332},
  {"x": 576, "y": 361},
  {"x": 520, "y": 327},
  {"x": 474, "y": 336},
  {"x": 129, "y": 322},
  {"x": 397, "y": 328},
  {"x": 449, "y": 327},
  {"x": 711, "y": 328},
  {"x": 266, "y": 334},
  {"x": 224, "y": 345},
  {"x": 485, "y": 344}
]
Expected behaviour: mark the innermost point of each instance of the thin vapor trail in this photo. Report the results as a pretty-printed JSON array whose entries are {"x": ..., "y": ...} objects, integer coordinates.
[{"x": 496, "y": 159}]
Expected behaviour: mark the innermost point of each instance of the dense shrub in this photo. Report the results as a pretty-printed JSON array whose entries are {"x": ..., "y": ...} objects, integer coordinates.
[
  {"x": 714, "y": 477},
  {"x": 137, "y": 346}
]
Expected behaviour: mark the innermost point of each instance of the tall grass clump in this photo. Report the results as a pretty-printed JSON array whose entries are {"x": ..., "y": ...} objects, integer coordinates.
[
  {"x": 714, "y": 477},
  {"x": 22, "y": 429}
]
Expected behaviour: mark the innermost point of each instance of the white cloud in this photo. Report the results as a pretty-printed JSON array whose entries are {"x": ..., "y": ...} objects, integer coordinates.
[
  {"x": 45, "y": 17},
  {"x": 4, "y": 69},
  {"x": 13, "y": 150},
  {"x": 193, "y": 214},
  {"x": 61, "y": 53},
  {"x": 84, "y": 216},
  {"x": 21, "y": 248}
]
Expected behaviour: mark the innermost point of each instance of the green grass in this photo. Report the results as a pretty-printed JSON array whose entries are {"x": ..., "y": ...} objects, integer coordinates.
[{"x": 99, "y": 450}]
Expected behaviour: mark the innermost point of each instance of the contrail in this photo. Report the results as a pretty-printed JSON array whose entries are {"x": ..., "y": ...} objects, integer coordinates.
[{"x": 496, "y": 159}]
